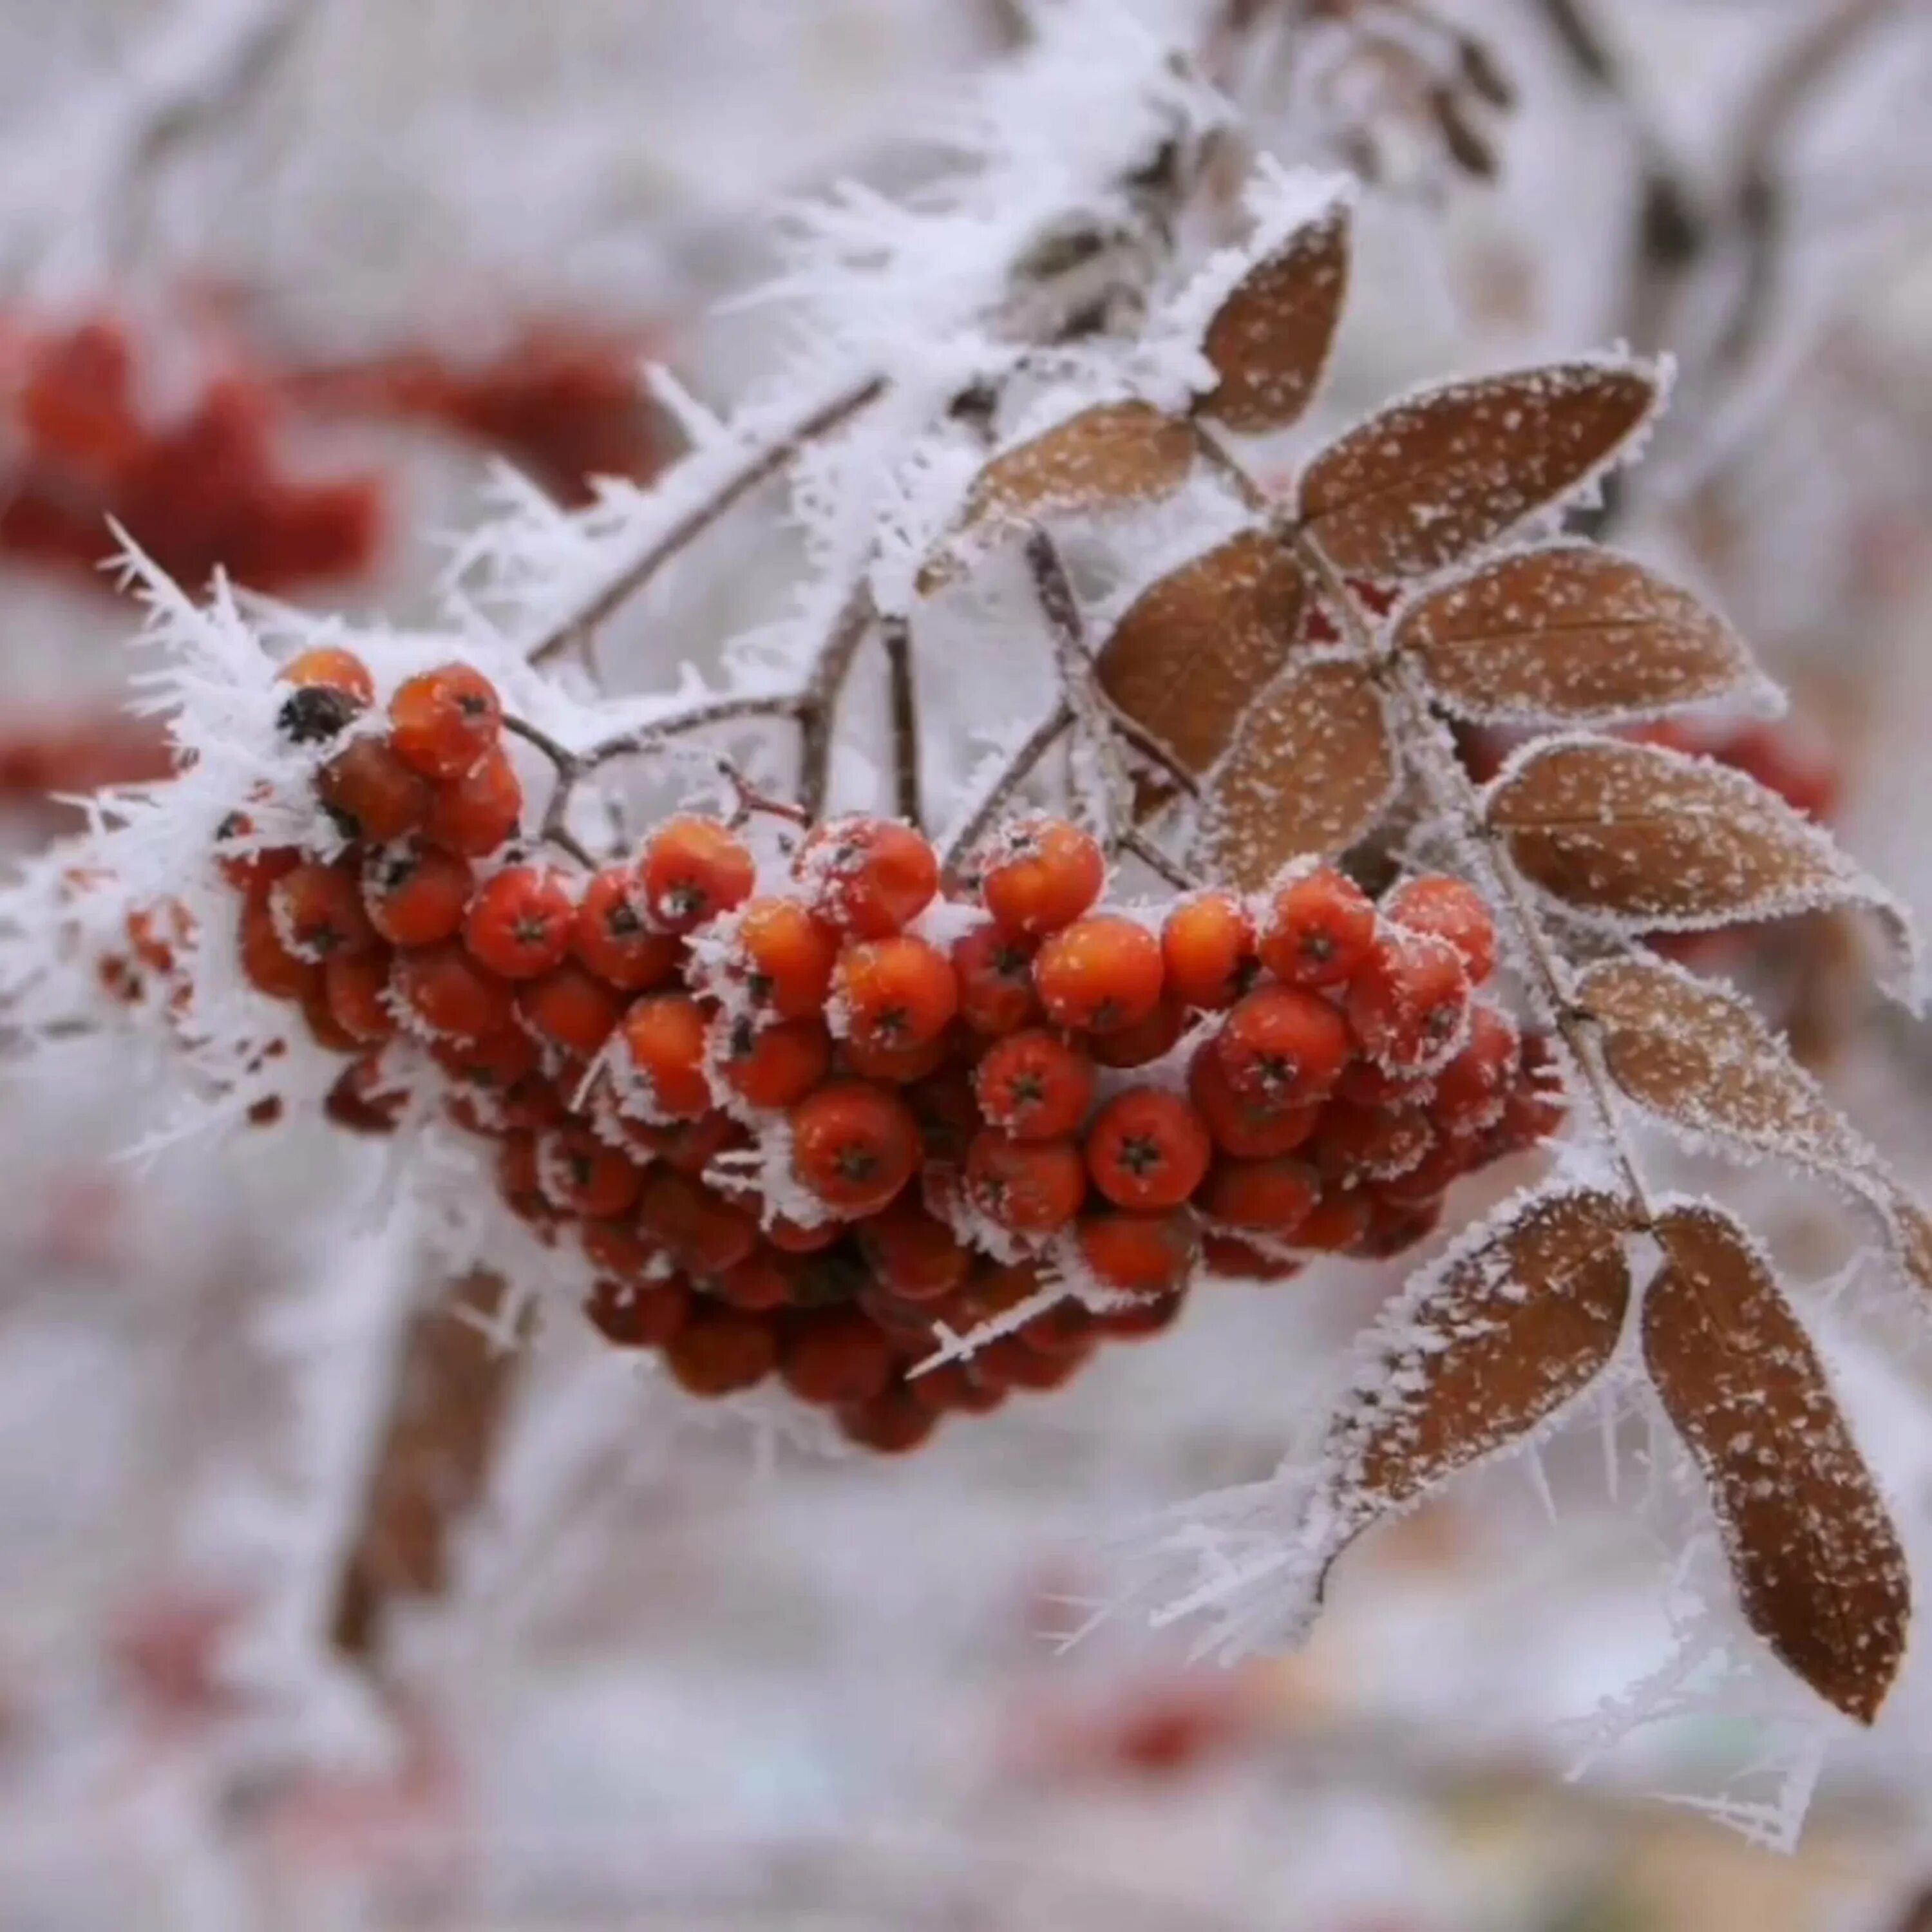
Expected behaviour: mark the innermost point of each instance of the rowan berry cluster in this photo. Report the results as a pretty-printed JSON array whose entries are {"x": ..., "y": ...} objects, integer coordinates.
[
  {"x": 203, "y": 489},
  {"x": 810, "y": 1124}
]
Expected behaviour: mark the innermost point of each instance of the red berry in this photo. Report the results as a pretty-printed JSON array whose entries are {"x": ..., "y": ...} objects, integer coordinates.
[
  {"x": 415, "y": 894},
  {"x": 1452, "y": 911},
  {"x": 894, "y": 1066},
  {"x": 638, "y": 1315},
  {"x": 448, "y": 993},
  {"x": 703, "y": 1233},
  {"x": 762, "y": 1280},
  {"x": 319, "y": 913},
  {"x": 774, "y": 1066},
  {"x": 1268, "y": 1197},
  {"x": 1247, "y": 1129},
  {"x": 893, "y": 1423},
  {"x": 1356, "y": 1143},
  {"x": 666, "y": 1041},
  {"x": 1147, "y": 1149},
  {"x": 1473, "y": 1089},
  {"x": 445, "y": 721},
  {"x": 719, "y": 1351},
  {"x": 1032, "y": 1187},
  {"x": 1320, "y": 929},
  {"x": 1099, "y": 975},
  {"x": 1281, "y": 1046},
  {"x": 788, "y": 954},
  {"x": 570, "y": 1008},
  {"x": 868, "y": 876},
  {"x": 1034, "y": 1087},
  {"x": 329, "y": 669},
  {"x": 476, "y": 813},
  {"x": 835, "y": 1355},
  {"x": 994, "y": 971},
  {"x": 616, "y": 1248},
  {"x": 580, "y": 1175},
  {"x": 854, "y": 1145},
  {"x": 1207, "y": 949},
  {"x": 519, "y": 925},
  {"x": 379, "y": 797},
  {"x": 1048, "y": 874},
  {"x": 1144, "y": 1043},
  {"x": 895, "y": 993},
  {"x": 918, "y": 1257},
  {"x": 691, "y": 870},
  {"x": 357, "y": 989},
  {"x": 1137, "y": 1254},
  {"x": 612, "y": 938},
  {"x": 495, "y": 1063},
  {"x": 1408, "y": 1003}
]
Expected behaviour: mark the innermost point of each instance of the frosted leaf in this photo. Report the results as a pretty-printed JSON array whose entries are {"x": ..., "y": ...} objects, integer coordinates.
[
  {"x": 1652, "y": 837},
  {"x": 1572, "y": 634},
  {"x": 1269, "y": 341},
  {"x": 1819, "y": 1570},
  {"x": 1424, "y": 482},
  {"x": 1193, "y": 649},
  {"x": 1311, "y": 769},
  {"x": 1478, "y": 1349},
  {"x": 1105, "y": 458}
]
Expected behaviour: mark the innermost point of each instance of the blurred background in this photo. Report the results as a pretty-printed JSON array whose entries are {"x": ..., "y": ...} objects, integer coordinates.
[{"x": 317, "y": 1613}]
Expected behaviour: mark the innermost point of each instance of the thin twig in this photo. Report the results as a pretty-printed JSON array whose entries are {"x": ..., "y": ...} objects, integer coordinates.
[
  {"x": 759, "y": 467},
  {"x": 1137, "y": 844},
  {"x": 818, "y": 705},
  {"x": 908, "y": 786}
]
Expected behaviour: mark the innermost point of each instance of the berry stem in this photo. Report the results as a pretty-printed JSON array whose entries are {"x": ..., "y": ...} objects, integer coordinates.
[{"x": 759, "y": 466}]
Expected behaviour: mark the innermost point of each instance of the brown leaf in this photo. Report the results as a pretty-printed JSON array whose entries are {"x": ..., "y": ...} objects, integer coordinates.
[
  {"x": 1475, "y": 1352},
  {"x": 1817, "y": 1564},
  {"x": 1654, "y": 839},
  {"x": 1195, "y": 648},
  {"x": 1269, "y": 341},
  {"x": 1573, "y": 635},
  {"x": 1697, "y": 1056},
  {"x": 1105, "y": 458},
  {"x": 1311, "y": 769},
  {"x": 1427, "y": 481}
]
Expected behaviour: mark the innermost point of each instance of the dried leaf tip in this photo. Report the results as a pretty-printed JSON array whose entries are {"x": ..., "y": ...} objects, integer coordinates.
[
  {"x": 1820, "y": 1572},
  {"x": 1108, "y": 456}
]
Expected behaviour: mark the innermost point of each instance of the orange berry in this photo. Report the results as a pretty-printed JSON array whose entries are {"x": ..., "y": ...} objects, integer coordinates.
[
  {"x": 1047, "y": 873},
  {"x": 1208, "y": 950},
  {"x": 1147, "y": 1149},
  {"x": 415, "y": 894},
  {"x": 719, "y": 1351},
  {"x": 638, "y": 1315},
  {"x": 918, "y": 1257},
  {"x": 448, "y": 993},
  {"x": 476, "y": 813},
  {"x": 1247, "y": 1129},
  {"x": 251, "y": 871},
  {"x": 794, "y": 1237},
  {"x": 1319, "y": 930},
  {"x": 373, "y": 792},
  {"x": 1452, "y": 911},
  {"x": 318, "y": 911},
  {"x": 1033, "y": 1187},
  {"x": 868, "y": 876},
  {"x": 1365, "y": 1083},
  {"x": 895, "y": 1066},
  {"x": 519, "y": 924},
  {"x": 762, "y": 1280},
  {"x": 1280, "y": 1045},
  {"x": 612, "y": 938},
  {"x": 580, "y": 1175},
  {"x": 1267, "y": 1197},
  {"x": 774, "y": 1066},
  {"x": 1336, "y": 1223},
  {"x": 895, "y": 993},
  {"x": 692, "y": 870},
  {"x": 1144, "y": 1043},
  {"x": 267, "y": 965},
  {"x": 1137, "y": 1254},
  {"x": 324, "y": 1027},
  {"x": 1474, "y": 1088},
  {"x": 1408, "y": 1003},
  {"x": 1099, "y": 975},
  {"x": 444, "y": 721},
  {"x": 854, "y": 1145},
  {"x": 570, "y": 1008},
  {"x": 947, "y": 1111},
  {"x": 1356, "y": 1143},
  {"x": 328, "y": 668},
  {"x": 893, "y": 1423},
  {"x": 787, "y": 954},
  {"x": 617, "y": 1248},
  {"x": 356, "y": 988},
  {"x": 666, "y": 1040},
  {"x": 835, "y": 1355},
  {"x": 700, "y": 1232},
  {"x": 362, "y": 1100},
  {"x": 496, "y": 1063},
  {"x": 1034, "y": 1087},
  {"x": 994, "y": 971},
  {"x": 689, "y": 1146},
  {"x": 1230, "y": 1259}
]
